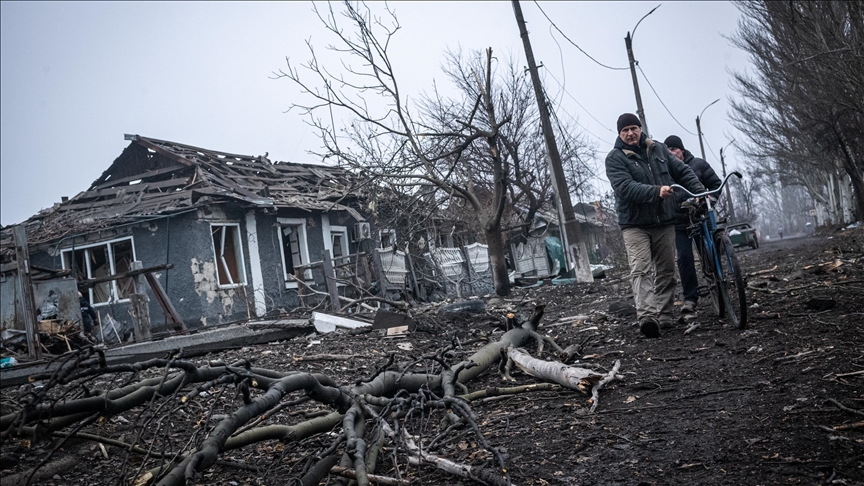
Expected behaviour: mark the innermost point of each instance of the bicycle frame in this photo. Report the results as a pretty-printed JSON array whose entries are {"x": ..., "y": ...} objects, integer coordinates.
[{"x": 710, "y": 232}]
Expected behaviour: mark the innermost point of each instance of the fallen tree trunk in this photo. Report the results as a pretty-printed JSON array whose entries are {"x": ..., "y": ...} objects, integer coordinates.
[{"x": 580, "y": 379}]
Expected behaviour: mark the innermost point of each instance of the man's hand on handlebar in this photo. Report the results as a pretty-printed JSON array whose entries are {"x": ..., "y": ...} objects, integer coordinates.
[{"x": 665, "y": 191}]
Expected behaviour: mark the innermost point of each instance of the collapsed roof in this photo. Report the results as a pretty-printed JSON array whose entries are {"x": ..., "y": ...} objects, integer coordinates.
[{"x": 157, "y": 177}]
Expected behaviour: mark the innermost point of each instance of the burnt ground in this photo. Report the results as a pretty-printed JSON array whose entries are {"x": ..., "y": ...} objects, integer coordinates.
[{"x": 716, "y": 406}]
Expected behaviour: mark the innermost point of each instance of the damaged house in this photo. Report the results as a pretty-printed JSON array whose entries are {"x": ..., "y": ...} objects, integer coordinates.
[
  {"x": 232, "y": 230},
  {"x": 540, "y": 252}
]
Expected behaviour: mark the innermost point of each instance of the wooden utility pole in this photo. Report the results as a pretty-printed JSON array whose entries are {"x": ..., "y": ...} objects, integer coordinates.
[
  {"x": 25, "y": 306},
  {"x": 699, "y": 129},
  {"x": 628, "y": 41},
  {"x": 577, "y": 254},
  {"x": 728, "y": 193},
  {"x": 701, "y": 146}
]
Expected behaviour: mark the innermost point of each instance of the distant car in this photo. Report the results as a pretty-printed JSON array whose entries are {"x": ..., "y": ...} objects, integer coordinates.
[{"x": 742, "y": 234}]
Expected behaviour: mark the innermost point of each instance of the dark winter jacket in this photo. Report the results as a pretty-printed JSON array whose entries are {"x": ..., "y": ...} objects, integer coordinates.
[
  {"x": 88, "y": 315},
  {"x": 636, "y": 175},
  {"x": 706, "y": 176}
]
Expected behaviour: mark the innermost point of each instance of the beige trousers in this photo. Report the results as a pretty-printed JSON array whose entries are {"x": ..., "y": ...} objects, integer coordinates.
[{"x": 651, "y": 255}]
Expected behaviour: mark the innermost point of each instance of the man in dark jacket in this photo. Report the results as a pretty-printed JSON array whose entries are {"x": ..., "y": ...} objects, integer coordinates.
[
  {"x": 686, "y": 265},
  {"x": 88, "y": 315},
  {"x": 641, "y": 172}
]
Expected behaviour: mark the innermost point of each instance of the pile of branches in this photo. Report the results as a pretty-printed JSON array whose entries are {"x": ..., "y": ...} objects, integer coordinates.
[{"x": 345, "y": 430}]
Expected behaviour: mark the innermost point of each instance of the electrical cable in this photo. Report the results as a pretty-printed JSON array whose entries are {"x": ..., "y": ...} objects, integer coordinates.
[
  {"x": 577, "y": 102},
  {"x": 661, "y": 101},
  {"x": 574, "y": 120},
  {"x": 710, "y": 150},
  {"x": 576, "y": 45}
]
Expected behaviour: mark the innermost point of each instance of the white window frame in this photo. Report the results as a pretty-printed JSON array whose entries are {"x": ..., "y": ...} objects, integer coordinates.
[
  {"x": 343, "y": 232},
  {"x": 387, "y": 231},
  {"x": 346, "y": 248},
  {"x": 304, "y": 248},
  {"x": 220, "y": 259},
  {"x": 113, "y": 298}
]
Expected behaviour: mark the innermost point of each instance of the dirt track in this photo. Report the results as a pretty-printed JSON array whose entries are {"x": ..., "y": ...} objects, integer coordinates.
[{"x": 716, "y": 406}]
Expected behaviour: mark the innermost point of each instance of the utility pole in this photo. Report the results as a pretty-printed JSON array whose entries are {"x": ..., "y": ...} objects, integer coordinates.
[
  {"x": 701, "y": 146},
  {"x": 728, "y": 193},
  {"x": 628, "y": 41},
  {"x": 25, "y": 307},
  {"x": 577, "y": 254},
  {"x": 699, "y": 129}
]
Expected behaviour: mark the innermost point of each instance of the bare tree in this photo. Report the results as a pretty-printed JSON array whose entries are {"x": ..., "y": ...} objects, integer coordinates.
[
  {"x": 398, "y": 146},
  {"x": 803, "y": 107}
]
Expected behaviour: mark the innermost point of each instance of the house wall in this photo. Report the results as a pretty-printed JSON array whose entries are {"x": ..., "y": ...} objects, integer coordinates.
[
  {"x": 185, "y": 240},
  {"x": 277, "y": 297},
  {"x": 192, "y": 285},
  {"x": 7, "y": 301}
]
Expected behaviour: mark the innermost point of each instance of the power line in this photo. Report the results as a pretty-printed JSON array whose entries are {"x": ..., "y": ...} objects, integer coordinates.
[
  {"x": 661, "y": 101},
  {"x": 574, "y": 44},
  {"x": 577, "y": 101},
  {"x": 572, "y": 118},
  {"x": 561, "y": 56},
  {"x": 710, "y": 150},
  {"x": 576, "y": 121}
]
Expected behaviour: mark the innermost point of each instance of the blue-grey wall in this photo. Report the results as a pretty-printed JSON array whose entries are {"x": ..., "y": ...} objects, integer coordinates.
[{"x": 192, "y": 285}]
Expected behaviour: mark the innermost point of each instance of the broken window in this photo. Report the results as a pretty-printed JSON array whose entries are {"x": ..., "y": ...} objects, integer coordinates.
[
  {"x": 292, "y": 239},
  {"x": 123, "y": 259},
  {"x": 339, "y": 243},
  {"x": 388, "y": 237},
  {"x": 229, "y": 254},
  {"x": 340, "y": 250},
  {"x": 101, "y": 260}
]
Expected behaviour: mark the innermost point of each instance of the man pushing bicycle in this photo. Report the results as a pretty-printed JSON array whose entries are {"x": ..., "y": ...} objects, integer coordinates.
[{"x": 641, "y": 172}]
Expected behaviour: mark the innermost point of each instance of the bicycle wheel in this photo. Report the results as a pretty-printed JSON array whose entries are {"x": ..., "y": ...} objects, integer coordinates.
[
  {"x": 708, "y": 275},
  {"x": 732, "y": 281}
]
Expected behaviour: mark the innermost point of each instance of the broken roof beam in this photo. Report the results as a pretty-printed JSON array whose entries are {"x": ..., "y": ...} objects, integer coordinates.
[
  {"x": 85, "y": 284},
  {"x": 143, "y": 175},
  {"x": 161, "y": 151},
  {"x": 148, "y": 186},
  {"x": 154, "y": 141}
]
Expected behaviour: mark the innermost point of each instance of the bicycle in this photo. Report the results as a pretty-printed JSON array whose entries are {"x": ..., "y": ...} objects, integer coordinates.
[{"x": 720, "y": 267}]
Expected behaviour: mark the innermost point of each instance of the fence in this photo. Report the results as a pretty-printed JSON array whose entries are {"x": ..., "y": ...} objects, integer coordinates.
[{"x": 390, "y": 276}]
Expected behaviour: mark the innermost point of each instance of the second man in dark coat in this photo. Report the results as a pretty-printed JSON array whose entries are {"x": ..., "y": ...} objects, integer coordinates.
[{"x": 686, "y": 265}]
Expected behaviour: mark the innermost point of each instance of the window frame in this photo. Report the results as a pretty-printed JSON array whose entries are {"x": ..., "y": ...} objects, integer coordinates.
[
  {"x": 391, "y": 236},
  {"x": 113, "y": 298},
  {"x": 302, "y": 241},
  {"x": 219, "y": 259},
  {"x": 343, "y": 232}
]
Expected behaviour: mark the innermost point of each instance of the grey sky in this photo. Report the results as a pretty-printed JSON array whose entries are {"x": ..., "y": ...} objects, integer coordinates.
[{"x": 76, "y": 76}]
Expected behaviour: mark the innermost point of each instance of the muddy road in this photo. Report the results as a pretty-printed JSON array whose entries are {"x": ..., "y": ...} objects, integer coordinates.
[{"x": 781, "y": 402}]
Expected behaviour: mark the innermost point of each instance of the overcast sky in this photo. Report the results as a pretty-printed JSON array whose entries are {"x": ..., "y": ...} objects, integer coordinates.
[{"x": 76, "y": 76}]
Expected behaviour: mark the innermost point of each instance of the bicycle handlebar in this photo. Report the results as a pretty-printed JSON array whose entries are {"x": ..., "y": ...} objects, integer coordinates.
[{"x": 708, "y": 193}]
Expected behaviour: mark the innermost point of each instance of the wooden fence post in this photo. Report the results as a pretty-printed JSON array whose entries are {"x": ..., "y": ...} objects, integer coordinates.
[
  {"x": 382, "y": 278},
  {"x": 330, "y": 281},
  {"x": 138, "y": 306}
]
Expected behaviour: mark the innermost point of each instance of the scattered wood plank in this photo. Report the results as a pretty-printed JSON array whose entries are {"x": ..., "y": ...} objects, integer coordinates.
[
  {"x": 324, "y": 357},
  {"x": 853, "y": 373},
  {"x": 325, "y": 323},
  {"x": 87, "y": 283},
  {"x": 373, "y": 478},
  {"x": 762, "y": 272}
]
